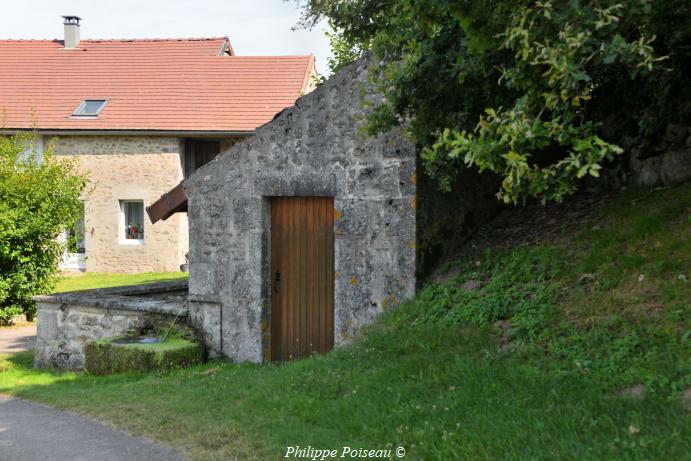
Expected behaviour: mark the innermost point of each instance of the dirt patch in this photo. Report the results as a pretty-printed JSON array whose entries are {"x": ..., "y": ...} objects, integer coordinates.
[
  {"x": 520, "y": 225},
  {"x": 634, "y": 392},
  {"x": 686, "y": 399}
]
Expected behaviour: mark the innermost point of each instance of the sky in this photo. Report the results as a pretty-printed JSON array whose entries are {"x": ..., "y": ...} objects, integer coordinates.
[{"x": 259, "y": 27}]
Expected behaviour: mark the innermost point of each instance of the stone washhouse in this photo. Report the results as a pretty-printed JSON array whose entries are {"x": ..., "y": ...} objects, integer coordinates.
[{"x": 299, "y": 236}]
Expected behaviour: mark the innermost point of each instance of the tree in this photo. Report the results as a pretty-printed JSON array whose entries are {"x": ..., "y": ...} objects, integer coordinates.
[
  {"x": 39, "y": 199},
  {"x": 344, "y": 50},
  {"x": 520, "y": 88}
]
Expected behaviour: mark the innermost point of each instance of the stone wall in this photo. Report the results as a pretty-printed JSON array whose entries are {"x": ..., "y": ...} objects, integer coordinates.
[
  {"x": 128, "y": 168},
  {"x": 66, "y": 322},
  {"x": 312, "y": 149},
  {"x": 445, "y": 220},
  {"x": 665, "y": 163}
]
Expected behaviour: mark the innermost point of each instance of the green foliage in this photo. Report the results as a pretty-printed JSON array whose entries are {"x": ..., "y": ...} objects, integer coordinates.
[
  {"x": 614, "y": 302},
  {"x": 520, "y": 88},
  {"x": 515, "y": 286},
  {"x": 344, "y": 50},
  {"x": 38, "y": 201},
  {"x": 74, "y": 237}
]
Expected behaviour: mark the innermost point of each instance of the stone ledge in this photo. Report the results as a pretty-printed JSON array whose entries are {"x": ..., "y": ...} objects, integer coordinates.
[
  {"x": 130, "y": 298},
  {"x": 198, "y": 298}
]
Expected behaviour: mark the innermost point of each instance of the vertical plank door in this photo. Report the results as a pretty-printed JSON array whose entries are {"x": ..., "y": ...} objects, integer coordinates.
[{"x": 302, "y": 271}]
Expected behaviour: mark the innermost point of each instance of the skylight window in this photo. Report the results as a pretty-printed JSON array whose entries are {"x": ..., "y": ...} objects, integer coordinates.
[{"x": 90, "y": 107}]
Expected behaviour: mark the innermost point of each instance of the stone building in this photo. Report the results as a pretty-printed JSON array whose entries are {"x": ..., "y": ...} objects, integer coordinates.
[
  {"x": 300, "y": 235},
  {"x": 307, "y": 230},
  {"x": 140, "y": 116}
]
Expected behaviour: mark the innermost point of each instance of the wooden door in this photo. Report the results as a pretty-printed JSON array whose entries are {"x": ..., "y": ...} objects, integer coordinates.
[
  {"x": 199, "y": 153},
  {"x": 302, "y": 270},
  {"x": 204, "y": 152}
]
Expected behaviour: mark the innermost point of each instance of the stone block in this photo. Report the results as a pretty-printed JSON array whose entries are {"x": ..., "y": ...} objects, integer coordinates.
[
  {"x": 247, "y": 213},
  {"x": 396, "y": 217},
  {"x": 47, "y": 325},
  {"x": 407, "y": 177},
  {"x": 676, "y": 167},
  {"x": 247, "y": 281},
  {"x": 203, "y": 278},
  {"x": 206, "y": 318},
  {"x": 298, "y": 182},
  {"x": 351, "y": 217}
]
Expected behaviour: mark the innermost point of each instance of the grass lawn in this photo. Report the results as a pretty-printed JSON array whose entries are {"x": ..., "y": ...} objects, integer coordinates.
[
  {"x": 90, "y": 280},
  {"x": 578, "y": 325}
]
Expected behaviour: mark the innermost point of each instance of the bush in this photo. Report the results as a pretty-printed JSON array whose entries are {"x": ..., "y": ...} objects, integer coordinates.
[{"x": 39, "y": 199}]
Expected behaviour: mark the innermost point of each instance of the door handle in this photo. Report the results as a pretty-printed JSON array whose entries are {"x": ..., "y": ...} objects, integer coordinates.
[{"x": 277, "y": 282}]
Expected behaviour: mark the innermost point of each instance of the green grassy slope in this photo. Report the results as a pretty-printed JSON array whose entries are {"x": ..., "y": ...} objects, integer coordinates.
[{"x": 528, "y": 364}]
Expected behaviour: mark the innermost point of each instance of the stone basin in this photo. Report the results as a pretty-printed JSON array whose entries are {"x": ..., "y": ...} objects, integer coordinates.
[
  {"x": 123, "y": 354},
  {"x": 68, "y": 321}
]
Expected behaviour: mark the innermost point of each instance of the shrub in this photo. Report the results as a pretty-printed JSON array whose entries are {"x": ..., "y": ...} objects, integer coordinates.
[{"x": 39, "y": 199}]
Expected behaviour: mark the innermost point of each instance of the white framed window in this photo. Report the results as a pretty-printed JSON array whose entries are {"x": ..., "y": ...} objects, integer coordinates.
[
  {"x": 132, "y": 222},
  {"x": 90, "y": 108}
]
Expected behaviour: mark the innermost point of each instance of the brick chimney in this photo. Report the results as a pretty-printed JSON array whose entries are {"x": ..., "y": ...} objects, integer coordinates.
[{"x": 71, "y": 31}]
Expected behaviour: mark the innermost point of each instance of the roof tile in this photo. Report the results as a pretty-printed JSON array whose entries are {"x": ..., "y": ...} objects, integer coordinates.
[{"x": 150, "y": 84}]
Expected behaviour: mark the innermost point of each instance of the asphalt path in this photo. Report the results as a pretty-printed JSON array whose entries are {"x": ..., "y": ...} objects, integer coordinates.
[
  {"x": 17, "y": 339},
  {"x": 35, "y": 432}
]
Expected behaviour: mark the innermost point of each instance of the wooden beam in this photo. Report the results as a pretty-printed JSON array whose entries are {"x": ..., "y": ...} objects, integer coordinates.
[{"x": 173, "y": 201}]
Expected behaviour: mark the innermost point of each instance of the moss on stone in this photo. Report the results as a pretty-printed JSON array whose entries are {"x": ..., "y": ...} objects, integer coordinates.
[
  {"x": 97, "y": 355},
  {"x": 106, "y": 356}
]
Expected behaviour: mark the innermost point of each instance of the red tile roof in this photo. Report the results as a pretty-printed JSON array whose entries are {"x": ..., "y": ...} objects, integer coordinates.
[{"x": 157, "y": 84}]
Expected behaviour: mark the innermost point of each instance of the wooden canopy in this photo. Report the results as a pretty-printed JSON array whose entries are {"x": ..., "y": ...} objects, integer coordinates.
[{"x": 173, "y": 201}]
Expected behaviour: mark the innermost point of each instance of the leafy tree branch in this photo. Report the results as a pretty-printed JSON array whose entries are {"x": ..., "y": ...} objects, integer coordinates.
[{"x": 518, "y": 88}]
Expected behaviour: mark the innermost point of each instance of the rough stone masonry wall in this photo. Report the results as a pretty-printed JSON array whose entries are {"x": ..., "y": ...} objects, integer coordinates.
[
  {"x": 67, "y": 321},
  {"x": 128, "y": 168},
  {"x": 312, "y": 149},
  {"x": 666, "y": 163},
  {"x": 63, "y": 332}
]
